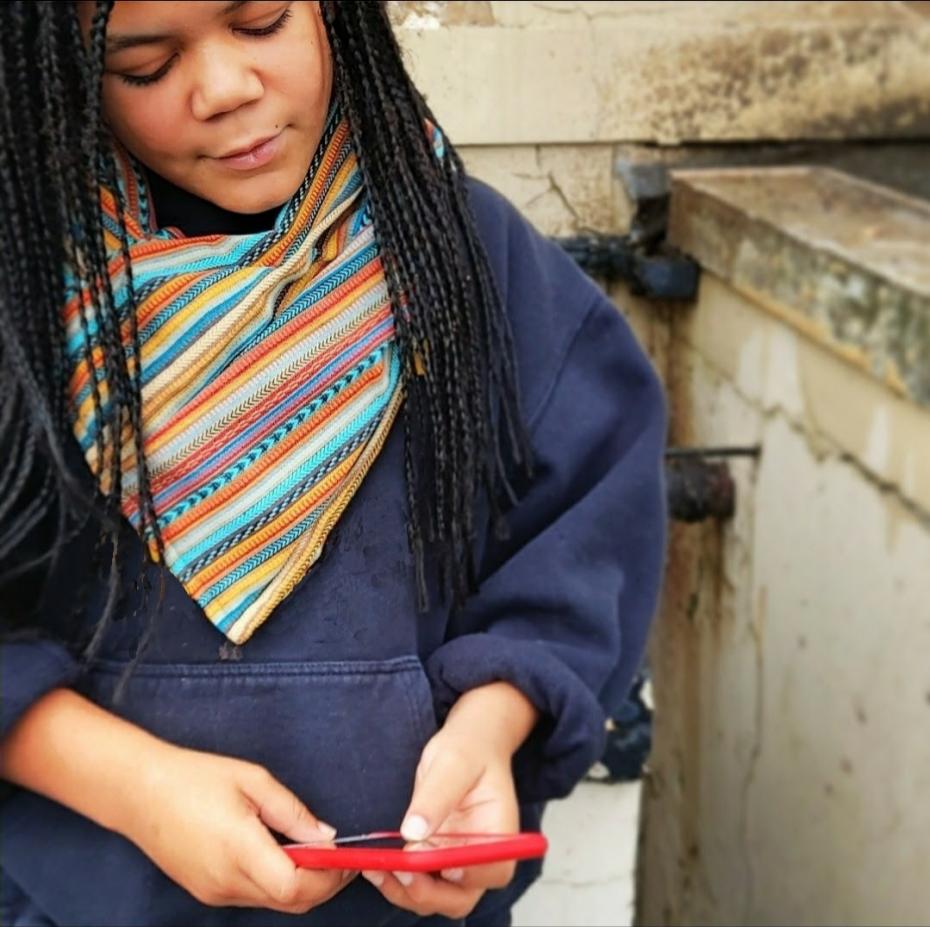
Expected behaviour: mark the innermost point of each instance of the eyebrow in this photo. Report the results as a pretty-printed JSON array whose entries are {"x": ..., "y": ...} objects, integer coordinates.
[{"x": 118, "y": 42}]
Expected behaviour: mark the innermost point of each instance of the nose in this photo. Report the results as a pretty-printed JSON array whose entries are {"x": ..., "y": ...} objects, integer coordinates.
[{"x": 225, "y": 80}]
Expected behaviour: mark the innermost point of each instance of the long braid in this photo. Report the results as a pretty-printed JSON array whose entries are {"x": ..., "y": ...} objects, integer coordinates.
[
  {"x": 448, "y": 313},
  {"x": 49, "y": 212}
]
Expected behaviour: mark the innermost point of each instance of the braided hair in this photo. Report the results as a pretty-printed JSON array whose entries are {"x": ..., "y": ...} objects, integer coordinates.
[{"x": 462, "y": 420}]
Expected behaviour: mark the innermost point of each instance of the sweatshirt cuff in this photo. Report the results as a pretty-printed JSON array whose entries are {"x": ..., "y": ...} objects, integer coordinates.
[
  {"x": 570, "y": 735},
  {"x": 28, "y": 670}
]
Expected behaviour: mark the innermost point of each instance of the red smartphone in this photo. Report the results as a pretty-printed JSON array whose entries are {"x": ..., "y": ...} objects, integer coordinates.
[{"x": 385, "y": 850}]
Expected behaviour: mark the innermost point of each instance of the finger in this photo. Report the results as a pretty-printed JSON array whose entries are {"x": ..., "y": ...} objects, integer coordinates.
[
  {"x": 282, "y": 811},
  {"x": 316, "y": 886},
  {"x": 424, "y": 894},
  {"x": 283, "y": 885},
  {"x": 238, "y": 892},
  {"x": 492, "y": 875},
  {"x": 310, "y": 889},
  {"x": 489, "y": 875},
  {"x": 439, "y": 790}
]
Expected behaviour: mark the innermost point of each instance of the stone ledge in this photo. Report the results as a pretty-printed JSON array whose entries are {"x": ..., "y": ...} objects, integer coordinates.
[
  {"x": 698, "y": 72},
  {"x": 844, "y": 260}
]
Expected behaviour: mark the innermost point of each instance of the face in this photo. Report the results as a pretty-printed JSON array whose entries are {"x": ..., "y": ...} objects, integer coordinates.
[{"x": 226, "y": 100}]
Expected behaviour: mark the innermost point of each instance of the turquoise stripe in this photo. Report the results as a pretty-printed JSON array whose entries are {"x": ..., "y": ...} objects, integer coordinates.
[
  {"x": 231, "y": 617},
  {"x": 324, "y": 285},
  {"x": 284, "y": 541},
  {"x": 272, "y": 513},
  {"x": 294, "y": 477},
  {"x": 359, "y": 425},
  {"x": 331, "y": 357},
  {"x": 249, "y": 449}
]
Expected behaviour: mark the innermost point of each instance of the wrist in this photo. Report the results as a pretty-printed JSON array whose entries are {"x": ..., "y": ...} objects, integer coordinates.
[
  {"x": 135, "y": 793},
  {"x": 70, "y": 750},
  {"x": 497, "y": 715}
]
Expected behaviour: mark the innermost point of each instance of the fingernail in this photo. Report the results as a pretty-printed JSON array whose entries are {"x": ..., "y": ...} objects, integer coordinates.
[
  {"x": 376, "y": 878},
  {"x": 414, "y": 827},
  {"x": 326, "y": 831},
  {"x": 453, "y": 875},
  {"x": 405, "y": 878}
]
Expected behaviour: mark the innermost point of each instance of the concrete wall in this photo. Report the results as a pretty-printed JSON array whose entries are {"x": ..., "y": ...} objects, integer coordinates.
[
  {"x": 544, "y": 97},
  {"x": 565, "y": 72},
  {"x": 790, "y": 652},
  {"x": 789, "y": 776}
]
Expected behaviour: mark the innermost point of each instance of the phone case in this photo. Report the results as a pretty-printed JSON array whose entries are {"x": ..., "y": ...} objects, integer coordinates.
[{"x": 479, "y": 849}]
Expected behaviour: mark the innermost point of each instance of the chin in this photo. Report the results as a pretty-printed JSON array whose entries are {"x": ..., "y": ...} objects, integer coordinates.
[{"x": 250, "y": 195}]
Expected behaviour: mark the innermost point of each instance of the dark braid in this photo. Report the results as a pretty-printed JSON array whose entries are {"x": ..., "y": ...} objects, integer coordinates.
[
  {"x": 53, "y": 154},
  {"x": 462, "y": 416},
  {"x": 448, "y": 313}
]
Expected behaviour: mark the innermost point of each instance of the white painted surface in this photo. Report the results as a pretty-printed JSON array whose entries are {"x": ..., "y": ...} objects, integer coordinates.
[
  {"x": 791, "y": 759},
  {"x": 588, "y": 874}
]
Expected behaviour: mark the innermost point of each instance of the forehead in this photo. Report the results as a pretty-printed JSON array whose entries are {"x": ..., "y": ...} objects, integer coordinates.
[{"x": 164, "y": 16}]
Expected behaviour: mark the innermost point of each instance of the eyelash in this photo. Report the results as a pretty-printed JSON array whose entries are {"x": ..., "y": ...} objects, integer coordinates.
[{"x": 145, "y": 80}]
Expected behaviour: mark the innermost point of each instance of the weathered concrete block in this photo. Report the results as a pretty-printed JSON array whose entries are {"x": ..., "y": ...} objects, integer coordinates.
[
  {"x": 518, "y": 73},
  {"x": 847, "y": 261}
]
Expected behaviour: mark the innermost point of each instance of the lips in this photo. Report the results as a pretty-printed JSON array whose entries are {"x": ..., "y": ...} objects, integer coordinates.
[
  {"x": 256, "y": 155},
  {"x": 247, "y": 149}
]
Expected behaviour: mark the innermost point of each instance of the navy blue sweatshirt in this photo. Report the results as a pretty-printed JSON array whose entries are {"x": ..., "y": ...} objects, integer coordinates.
[{"x": 337, "y": 693}]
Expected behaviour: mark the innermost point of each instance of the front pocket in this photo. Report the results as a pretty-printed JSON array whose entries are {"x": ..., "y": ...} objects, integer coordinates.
[{"x": 343, "y": 736}]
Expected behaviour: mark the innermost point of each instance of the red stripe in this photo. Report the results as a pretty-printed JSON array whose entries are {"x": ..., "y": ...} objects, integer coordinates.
[
  {"x": 202, "y": 510},
  {"x": 274, "y": 410},
  {"x": 300, "y": 321}
]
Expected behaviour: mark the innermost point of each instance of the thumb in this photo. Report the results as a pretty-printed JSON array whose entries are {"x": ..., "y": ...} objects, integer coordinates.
[
  {"x": 441, "y": 786},
  {"x": 282, "y": 811}
]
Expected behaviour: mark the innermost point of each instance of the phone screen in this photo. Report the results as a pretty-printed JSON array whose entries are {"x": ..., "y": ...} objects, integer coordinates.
[{"x": 436, "y": 842}]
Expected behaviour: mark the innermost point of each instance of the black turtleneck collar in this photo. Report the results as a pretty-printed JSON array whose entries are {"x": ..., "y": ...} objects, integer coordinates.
[{"x": 195, "y": 216}]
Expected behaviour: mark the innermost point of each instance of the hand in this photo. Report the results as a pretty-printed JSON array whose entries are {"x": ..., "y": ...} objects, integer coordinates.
[
  {"x": 464, "y": 783},
  {"x": 204, "y": 820}
]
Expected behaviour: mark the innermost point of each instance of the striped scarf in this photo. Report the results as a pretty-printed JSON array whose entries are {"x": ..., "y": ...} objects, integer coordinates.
[{"x": 270, "y": 379}]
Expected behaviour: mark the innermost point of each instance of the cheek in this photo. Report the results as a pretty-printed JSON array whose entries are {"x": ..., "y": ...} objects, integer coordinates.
[
  {"x": 147, "y": 122},
  {"x": 303, "y": 75}
]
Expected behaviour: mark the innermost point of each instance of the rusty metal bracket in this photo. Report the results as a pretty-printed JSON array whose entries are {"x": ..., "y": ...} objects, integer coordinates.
[
  {"x": 699, "y": 488},
  {"x": 642, "y": 257},
  {"x": 652, "y": 271}
]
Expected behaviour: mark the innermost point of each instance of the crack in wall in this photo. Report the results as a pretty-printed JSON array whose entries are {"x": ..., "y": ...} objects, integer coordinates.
[
  {"x": 825, "y": 451},
  {"x": 821, "y": 446},
  {"x": 618, "y": 877},
  {"x": 560, "y": 193},
  {"x": 756, "y": 631}
]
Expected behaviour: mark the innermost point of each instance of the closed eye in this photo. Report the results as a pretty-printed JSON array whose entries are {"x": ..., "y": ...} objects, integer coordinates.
[
  {"x": 270, "y": 29},
  {"x": 144, "y": 80}
]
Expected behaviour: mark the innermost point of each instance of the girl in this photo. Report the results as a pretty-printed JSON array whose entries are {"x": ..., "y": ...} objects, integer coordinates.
[{"x": 331, "y": 491}]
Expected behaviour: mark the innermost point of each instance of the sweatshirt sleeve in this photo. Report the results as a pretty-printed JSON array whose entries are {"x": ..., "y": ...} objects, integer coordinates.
[
  {"x": 566, "y": 600},
  {"x": 29, "y": 668},
  {"x": 33, "y": 659}
]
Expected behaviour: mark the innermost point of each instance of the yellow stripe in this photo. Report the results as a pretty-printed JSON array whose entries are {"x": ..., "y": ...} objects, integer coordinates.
[
  {"x": 268, "y": 569},
  {"x": 310, "y": 546},
  {"x": 261, "y": 364}
]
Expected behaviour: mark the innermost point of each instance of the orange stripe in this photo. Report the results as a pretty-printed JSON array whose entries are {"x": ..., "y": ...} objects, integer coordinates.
[
  {"x": 204, "y": 509},
  {"x": 317, "y": 188},
  {"x": 238, "y": 555},
  {"x": 249, "y": 366}
]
